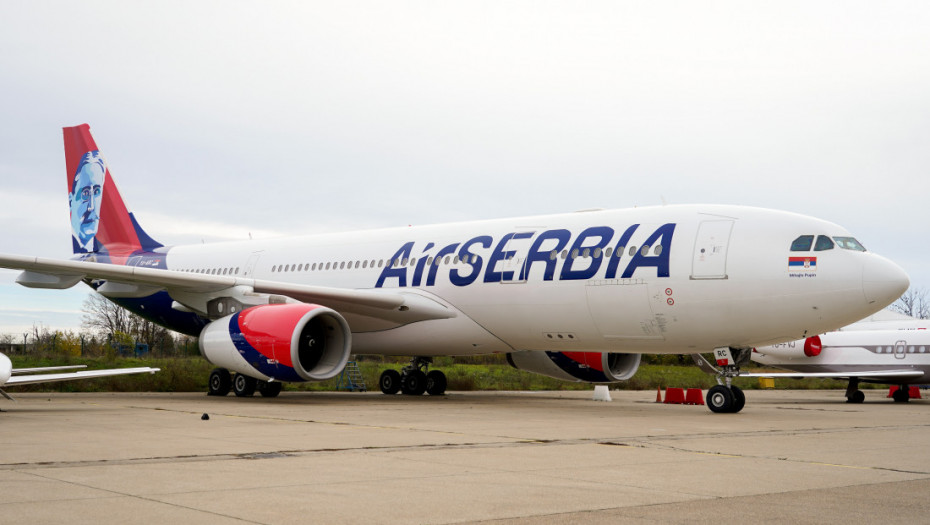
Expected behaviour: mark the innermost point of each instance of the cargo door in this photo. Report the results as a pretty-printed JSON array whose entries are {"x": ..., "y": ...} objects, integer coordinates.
[{"x": 621, "y": 310}]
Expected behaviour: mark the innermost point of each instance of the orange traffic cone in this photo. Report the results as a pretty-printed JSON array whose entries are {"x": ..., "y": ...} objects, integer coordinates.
[{"x": 658, "y": 395}]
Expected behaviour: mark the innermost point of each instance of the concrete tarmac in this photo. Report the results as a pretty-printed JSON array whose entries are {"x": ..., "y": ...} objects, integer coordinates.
[{"x": 467, "y": 457}]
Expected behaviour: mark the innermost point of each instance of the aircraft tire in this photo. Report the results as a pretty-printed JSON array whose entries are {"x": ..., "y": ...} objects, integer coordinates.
[
  {"x": 901, "y": 395},
  {"x": 856, "y": 397},
  {"x": 413, "y": 383},
  {"x": 436, "y": 383},
  {"x": 389, "y": 382},
  {"x": 720, "y": 399},
  {"x": 220, "y": 383},
  {"x": 269, "y": 389},
  {"x": 739, "y": 399},
  {"x": 243, "y": 385}
]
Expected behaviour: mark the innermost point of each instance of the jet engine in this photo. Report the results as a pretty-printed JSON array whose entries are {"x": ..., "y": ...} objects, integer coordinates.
[
  {"x": 589, "y": 367},
  {"x": 811, "y": 348},
  {"x": 284, "y": 342}
]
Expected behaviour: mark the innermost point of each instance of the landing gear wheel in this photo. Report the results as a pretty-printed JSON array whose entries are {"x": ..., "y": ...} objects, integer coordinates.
[
  {"x": 413, "y": 383},
  {"x": 856, "y": 397},
  {"x": 739, "y": 399},
  {"x": 901, "y": 395},
  {"x": 389, "y": 382},
  {"x": 243, "y": 385},
  {"x": 267, "y": 389},
  {"x": 220, "y": 383},
  {"x": 720, "y": 399},
  {"x": 436, "y": 383}
]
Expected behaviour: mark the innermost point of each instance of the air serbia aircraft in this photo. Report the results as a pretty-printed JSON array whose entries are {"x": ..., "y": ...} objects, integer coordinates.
[
  {"x": 888, "y": 349},
  {"x": 10, "y": 376},
  {"x": 578, "y": 296}
]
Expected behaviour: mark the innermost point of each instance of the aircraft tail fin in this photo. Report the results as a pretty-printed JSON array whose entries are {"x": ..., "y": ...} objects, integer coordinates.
[{"x": 100, "y": 221}]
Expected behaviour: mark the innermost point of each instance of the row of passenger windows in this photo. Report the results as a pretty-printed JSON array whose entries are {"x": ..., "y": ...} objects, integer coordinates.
[
  {"x": 448, "y": 259},
  {"x": 804, "y": 243},
  {"x": 455, "y": 259},
  {"x": 213, "y": 271},
  {"x": 910, "y": 350}
]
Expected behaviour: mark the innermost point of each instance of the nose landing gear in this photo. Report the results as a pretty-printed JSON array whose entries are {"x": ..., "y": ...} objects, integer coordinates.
[{"x": 725, "y": 398}]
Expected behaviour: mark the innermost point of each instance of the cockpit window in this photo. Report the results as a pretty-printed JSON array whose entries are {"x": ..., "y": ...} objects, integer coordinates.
[
  {"x": 823, "y": 243},
  {"x": 802, "y": 243},
  {"x": 849, "y": 243}
]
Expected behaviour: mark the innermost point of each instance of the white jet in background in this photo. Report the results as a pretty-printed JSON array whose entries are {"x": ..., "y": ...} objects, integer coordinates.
[
  {"x": 10, "y": 376},
  {"x": 887, "y": 348}
]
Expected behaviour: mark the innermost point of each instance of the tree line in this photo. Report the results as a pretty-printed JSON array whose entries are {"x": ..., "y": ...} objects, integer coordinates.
[{"x": 107, "y": 330}]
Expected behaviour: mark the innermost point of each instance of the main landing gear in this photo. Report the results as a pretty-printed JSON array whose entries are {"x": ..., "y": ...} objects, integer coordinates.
[
  {"x": 725, "y": 397},
  {"x": 414, "y": 379},
  {"x": 853, "y": 394},
  {"x": 221, "y": 382},
  {"x": 902, "y": 394}
]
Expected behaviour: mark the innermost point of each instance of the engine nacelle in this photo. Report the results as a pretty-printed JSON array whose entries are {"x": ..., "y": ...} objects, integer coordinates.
[
  {"x": 810, "y": 347},
  {"x": 284, "y": 342},
  {"x": 589, "y": 367}
]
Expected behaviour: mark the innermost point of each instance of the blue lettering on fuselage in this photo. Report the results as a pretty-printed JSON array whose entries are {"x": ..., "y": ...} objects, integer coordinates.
[{"x": 581, "y": 259}]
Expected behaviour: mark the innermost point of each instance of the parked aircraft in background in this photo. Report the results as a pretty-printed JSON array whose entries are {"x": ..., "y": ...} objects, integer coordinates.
[
  {"x": 576, "y": 295},
  {"x": 10, "y": 376},
  {"x": 888, "y": 349}
]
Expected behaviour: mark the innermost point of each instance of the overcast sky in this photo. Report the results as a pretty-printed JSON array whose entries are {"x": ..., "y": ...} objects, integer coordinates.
[{"x": 221, "y": 119}]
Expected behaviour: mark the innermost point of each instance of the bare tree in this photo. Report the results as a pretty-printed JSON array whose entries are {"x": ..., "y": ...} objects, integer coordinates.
[
  {"x": 114, "y": 323},
  {"x": 105, "y": 317},
  {"x": 914, "y": 303}
]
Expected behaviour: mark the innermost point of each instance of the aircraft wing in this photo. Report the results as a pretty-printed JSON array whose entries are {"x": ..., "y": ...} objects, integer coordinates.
[
  {"x": 840, "y": 375},
  {"x": 32, "y": 379},
  {"x": 387, "y": 306}
]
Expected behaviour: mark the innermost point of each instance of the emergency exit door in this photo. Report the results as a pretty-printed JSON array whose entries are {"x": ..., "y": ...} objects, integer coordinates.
[{"x": 710, "y": 250}]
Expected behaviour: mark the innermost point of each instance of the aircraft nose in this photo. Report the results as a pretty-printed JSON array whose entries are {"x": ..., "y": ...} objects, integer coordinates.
[
  {"x": 6, "y": 369},
  {"x": 883, "y": 281}
]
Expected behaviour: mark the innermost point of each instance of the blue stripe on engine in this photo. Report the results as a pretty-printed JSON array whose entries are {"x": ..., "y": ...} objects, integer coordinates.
[
  {"x": 256, "y": 359},
  {"x": 576, "y": 369}
]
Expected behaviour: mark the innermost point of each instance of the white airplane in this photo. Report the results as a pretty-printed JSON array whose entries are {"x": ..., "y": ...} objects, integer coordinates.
[
  {"x": 888, "y": 349},
  {"x": 10, "y": 376},
  {"x": 578, "y": 295}
]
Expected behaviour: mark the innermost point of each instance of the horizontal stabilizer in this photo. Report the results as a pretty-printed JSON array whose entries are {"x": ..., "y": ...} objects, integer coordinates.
[
  {"x": 71, "y": 376},
  {"x": 46, "y": 369}
]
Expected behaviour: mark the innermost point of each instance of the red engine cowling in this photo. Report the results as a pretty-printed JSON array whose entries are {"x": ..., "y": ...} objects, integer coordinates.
[
  {"x": 812, "y": 346},
  {"x": 284, "y": 342},
  {"x": 589, "y": 367}
]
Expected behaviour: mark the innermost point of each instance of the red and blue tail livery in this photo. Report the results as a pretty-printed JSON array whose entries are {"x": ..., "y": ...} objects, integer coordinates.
[{"x": 100, "y": 221}]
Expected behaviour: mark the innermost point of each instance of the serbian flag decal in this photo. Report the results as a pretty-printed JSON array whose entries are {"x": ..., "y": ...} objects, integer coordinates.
[{"x": 802, "y": 264}]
